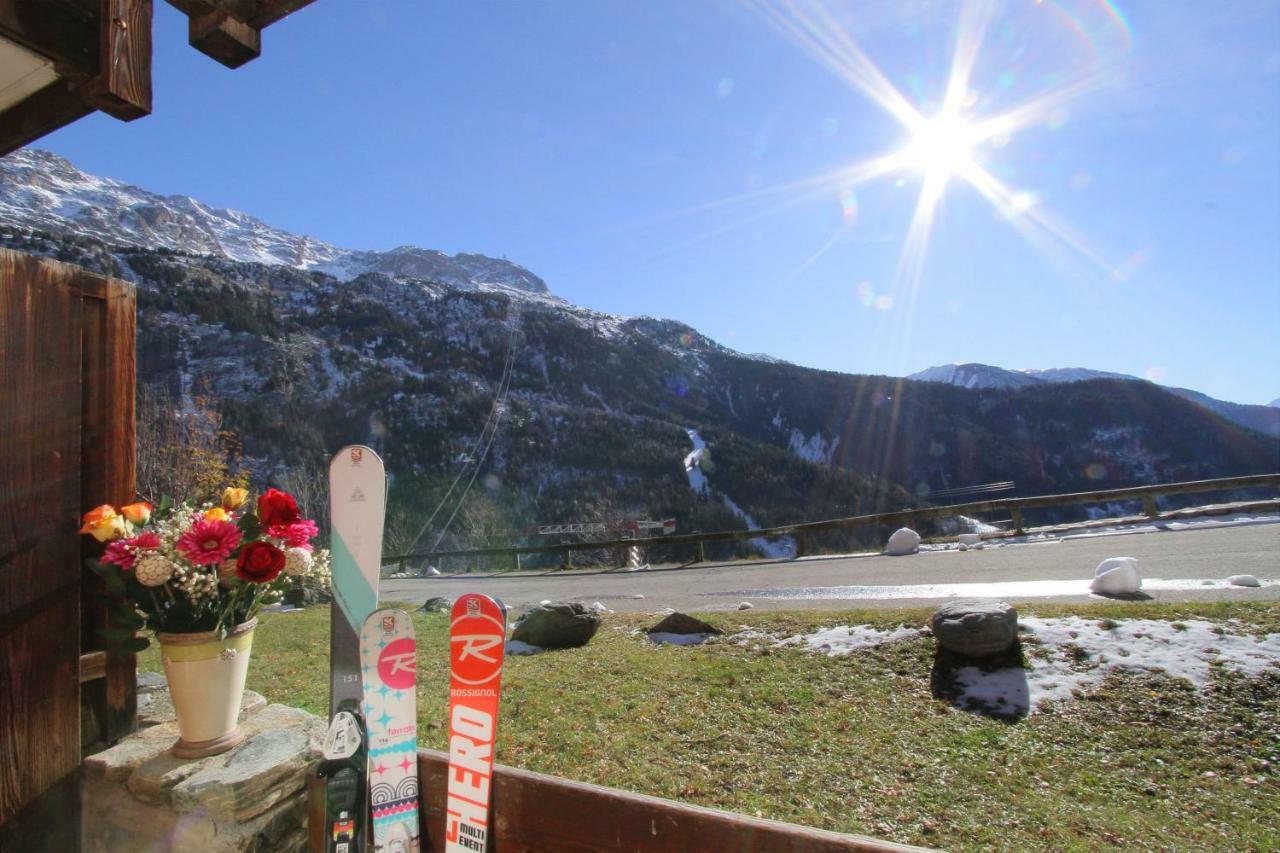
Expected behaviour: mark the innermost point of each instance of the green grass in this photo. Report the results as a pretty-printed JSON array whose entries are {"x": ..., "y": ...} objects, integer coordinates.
[{"x": 858, "y": 743}]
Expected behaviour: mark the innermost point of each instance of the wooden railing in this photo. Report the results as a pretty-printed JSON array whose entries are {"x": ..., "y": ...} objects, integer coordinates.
[
  {"x": 532, "y": 812},
  {"x": 803, "y": 531}
]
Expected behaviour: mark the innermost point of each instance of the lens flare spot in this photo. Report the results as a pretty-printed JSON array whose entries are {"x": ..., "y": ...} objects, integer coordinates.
[
  {"x": 849, "y": 207},
  {"x": 686, "y": 339},
  {"x": 953, "y": 306},
  {"x": 1096, "y": 471},
  {"x": 884, "y": 302},
  {"x": 1081, "y": 180},
  {"x": 1022, "y": 202},
  {"x": 724, "y": 87},
  {"x": 1058, "y": 119},
  {"x": 830, "y": 126},
  {"x": 1155, "y": 373},
  {"x": 866, "y": 293},
  {"x": 677, "y": 385}
]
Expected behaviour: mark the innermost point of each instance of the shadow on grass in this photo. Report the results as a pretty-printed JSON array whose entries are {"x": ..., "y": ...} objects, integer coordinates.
[
  {"x": 994, "y": 686},
  {"x": 1125, "y": 596}
]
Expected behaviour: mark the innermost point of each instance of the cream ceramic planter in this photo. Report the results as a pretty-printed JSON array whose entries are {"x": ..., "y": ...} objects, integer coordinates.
[{"x": 206, "y": 683}]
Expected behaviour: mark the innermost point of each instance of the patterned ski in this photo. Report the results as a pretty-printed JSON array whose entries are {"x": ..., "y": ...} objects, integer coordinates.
[
  {"x": 357, "y": 507},
  {"x": 388, "y": 668},
  {"x": 477, "y": 639}
]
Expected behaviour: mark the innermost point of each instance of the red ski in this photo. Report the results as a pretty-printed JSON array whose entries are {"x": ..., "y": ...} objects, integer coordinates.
[{"x": 477, "y": 639}]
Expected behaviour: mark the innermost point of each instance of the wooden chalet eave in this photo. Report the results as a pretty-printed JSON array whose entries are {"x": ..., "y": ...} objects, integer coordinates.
[{"x": 101, "y": 52}]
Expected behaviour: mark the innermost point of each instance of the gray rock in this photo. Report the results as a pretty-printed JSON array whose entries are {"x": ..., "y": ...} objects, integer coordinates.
[
  {"x": 1243, "y": 580},
  {"x": 436, "y": 605},
  {"x": 557, "y": 625},
  {"x": 975, "y": 629},
  {"x": 683, "y": 623},
  {"x": 306, "y": 591}
]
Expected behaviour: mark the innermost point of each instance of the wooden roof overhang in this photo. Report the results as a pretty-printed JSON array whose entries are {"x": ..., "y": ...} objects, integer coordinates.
[{"x": 63, "y": 59}]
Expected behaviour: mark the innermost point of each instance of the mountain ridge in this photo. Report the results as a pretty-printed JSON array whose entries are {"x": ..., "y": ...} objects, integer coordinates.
[{"x": 975, "y": 375}]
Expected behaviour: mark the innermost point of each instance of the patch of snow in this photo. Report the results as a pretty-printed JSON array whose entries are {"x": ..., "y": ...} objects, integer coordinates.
[
  {"x": 519, "y": 647},
  {"x": 997, "y": 589},
  {"x": 814, "y": 448},
  {"x": 1083, "y": 652},
  {"x": 904, "y": 541},
  {"x": 844, "y": 639}
]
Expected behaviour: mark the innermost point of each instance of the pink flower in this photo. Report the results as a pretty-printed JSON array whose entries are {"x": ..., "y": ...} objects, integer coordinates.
[
  {"x": 209, "y": 541},
  {"x": 124, "y": 552},
  {"x": 298, "y": 534}
]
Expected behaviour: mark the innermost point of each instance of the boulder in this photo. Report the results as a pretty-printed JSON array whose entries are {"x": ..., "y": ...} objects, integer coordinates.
[
  {"x": 1243, "y": 580},
  {"x": 1116, "y": 576},
  {"x": 557, "y": 625},
  {"x": 437, "y": 604},
  {"x": 975, "y": 629},
  {"x": 683, "y": 623},
  {"x": 969, "y": 538},
  {"x": 903, "y": 541}
]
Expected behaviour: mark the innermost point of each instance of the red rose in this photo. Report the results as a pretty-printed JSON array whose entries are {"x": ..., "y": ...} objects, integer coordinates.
[
  {"x": 276, "y": 507},
  {"x": 259, "y": 562}
]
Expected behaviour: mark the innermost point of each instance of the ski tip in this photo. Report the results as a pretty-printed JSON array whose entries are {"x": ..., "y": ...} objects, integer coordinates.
[{"x": 356, "y": 455}]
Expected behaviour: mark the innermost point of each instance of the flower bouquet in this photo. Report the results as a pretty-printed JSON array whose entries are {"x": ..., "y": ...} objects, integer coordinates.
[{"x": 196, "y": 576}]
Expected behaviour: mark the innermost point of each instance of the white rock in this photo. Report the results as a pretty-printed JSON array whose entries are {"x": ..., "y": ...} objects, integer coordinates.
[
  {"x": 1116, "y": 576},
  {"x": 544, "y": 602},
  {"x": 969, "y": 538},
  {"x": 599, "y": 608},
  {"x": 1243, "y": 580},
  {"x": 433, "y": 572},
  {"x": 902, "y": 542},
  {"x": 964, "y": 547},
  {"x": 637, "y": 596},
  {"x": 747, "y": 605}
]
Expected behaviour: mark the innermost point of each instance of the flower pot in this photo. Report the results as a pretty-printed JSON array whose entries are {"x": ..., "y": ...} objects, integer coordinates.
[{"x": 206, "y": 683}]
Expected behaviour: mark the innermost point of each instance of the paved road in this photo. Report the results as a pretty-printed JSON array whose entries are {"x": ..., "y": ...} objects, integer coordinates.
[{"x": 874, "y": 580}]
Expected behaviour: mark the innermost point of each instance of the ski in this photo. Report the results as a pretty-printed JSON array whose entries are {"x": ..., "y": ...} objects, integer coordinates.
[
  {"x": 357, "y": 507},
  {"x": 388, "y": 658},
  {"x": 477, "y": 639}
]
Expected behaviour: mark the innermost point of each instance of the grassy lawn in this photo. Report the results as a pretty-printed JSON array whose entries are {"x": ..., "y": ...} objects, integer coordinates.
[{"x": 858, "y": 743}]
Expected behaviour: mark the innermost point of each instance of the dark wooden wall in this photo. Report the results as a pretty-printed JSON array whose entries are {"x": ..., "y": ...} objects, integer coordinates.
[{"x": 66, "y": 444}]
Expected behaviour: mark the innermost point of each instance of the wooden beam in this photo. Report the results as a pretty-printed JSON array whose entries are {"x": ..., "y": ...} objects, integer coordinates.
[
  {"x": 93, "y": 665},
  {"x": 222, "y": 37},
  {"x": 41, "y": 113},
  {"x": 61, "y": 31},
  {"x": 122, "y": 87},
  {"x": 532, "y": 811}
]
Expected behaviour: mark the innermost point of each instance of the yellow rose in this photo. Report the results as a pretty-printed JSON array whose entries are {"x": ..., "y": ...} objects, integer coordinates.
[
  {"x": 216, "y": 514},
  {"x": 137, "y": 513},
  {"x": 103, "y": 523},
  {"x": 233, "y": 498}
]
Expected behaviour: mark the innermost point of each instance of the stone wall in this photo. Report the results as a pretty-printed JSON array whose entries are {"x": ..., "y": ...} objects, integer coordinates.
[{"x": 253, "y": 798}]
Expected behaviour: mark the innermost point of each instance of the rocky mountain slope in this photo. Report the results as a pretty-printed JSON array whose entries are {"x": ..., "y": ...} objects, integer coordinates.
[
  {"x": 1262, "y": 418},
  {"x": 543, "y": 411}
]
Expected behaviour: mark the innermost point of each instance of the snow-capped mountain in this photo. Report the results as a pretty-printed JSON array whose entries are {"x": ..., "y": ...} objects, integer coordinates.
[
  {"x": 985, "y": 376},
  {"x": 42, "y": 190}
]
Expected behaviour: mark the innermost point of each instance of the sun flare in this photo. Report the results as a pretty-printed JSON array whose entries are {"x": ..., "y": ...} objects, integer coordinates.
[{"x": 942, "y": 146}]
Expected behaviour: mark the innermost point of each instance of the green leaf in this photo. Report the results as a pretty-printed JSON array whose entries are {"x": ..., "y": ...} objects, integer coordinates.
[
  {"x": 166, "y": 506},
  {"x": 136, "y": 644},
  {"x": 249, "y": 526}
]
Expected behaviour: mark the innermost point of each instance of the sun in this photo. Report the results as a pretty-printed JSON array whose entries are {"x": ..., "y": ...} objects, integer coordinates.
[{"x": 942, "y": 146}]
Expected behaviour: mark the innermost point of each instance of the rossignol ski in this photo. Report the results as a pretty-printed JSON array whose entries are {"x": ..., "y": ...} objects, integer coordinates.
[
  {"x": 357, "y": 507},
  {"x": 477, "y": 639},
  {"x": 388, "y": 657}
]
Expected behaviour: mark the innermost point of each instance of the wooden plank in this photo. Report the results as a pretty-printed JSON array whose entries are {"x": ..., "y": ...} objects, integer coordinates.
[
  {"x": 222, "y": 37},
  {"x": 40, "y": 114},
  {"x": 40, "y": 398},
  {"x": 93, "y": 665},
  {"x": 64, "y": 32},
  {"x": 122, "y": 87},
  {"x": 107, "y": 468},
  {"x": 534, "y": 812}
]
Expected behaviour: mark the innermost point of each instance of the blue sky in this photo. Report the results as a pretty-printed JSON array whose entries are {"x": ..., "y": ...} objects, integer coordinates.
[{"x": 608, "y": 145}]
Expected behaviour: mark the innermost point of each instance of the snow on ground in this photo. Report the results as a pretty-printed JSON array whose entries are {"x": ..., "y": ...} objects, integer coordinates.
[
  {"x": 998, "y": 589},
  {"x": 519, "y": 647},
  {"x": 844, "y": 639},
  {"x": 780, "y": 548},
  {"x": 1083, "y": 652}
]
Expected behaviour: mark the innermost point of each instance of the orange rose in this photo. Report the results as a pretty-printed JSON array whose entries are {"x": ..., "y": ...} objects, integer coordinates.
[
  {"x": 103, "y": 523},
  {"x": 137, "y": 513},
  {"x": 233, "y": 498},
  {"x": 216, "y": 514}
]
